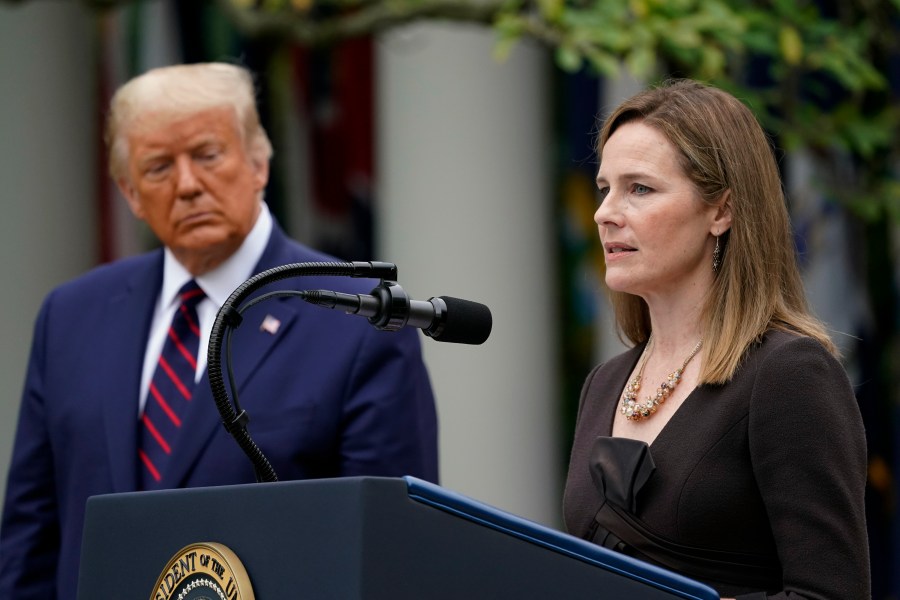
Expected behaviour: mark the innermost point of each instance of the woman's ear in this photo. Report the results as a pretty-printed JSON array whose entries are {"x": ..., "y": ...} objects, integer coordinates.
[{"x": 722, "y": 216}]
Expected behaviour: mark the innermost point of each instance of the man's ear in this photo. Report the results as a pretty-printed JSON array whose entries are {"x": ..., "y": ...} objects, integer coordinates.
[
  {"x": 260, "y": 168},
  {"x": 722, "y": 217},
  {"x": 131, "y": 196}
]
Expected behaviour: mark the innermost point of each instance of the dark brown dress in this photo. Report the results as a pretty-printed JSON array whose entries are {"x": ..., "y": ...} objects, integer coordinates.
[{"x": 771, "y": 465}]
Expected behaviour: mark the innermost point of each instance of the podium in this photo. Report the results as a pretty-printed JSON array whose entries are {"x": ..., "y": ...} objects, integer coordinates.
[{"x": 357, "y": 538}]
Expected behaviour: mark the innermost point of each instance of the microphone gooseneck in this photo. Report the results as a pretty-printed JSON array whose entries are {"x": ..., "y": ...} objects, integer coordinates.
[
  {"x": 229, "y": 318},
  {"x": 388, "y": 308}
]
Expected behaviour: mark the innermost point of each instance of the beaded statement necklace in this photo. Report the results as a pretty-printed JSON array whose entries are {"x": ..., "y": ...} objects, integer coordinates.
[{"x": 638, "y": 411}]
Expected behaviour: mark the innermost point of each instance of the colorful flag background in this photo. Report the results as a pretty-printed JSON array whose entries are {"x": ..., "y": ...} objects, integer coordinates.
[{"x": 577, "y": 106}]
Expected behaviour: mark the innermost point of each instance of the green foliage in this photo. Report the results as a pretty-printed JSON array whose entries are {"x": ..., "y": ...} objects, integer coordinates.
[{"x": 825, "y": 89}]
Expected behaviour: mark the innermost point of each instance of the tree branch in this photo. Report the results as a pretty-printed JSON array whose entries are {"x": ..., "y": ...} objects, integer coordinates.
[{"x": 364, "y": 20}]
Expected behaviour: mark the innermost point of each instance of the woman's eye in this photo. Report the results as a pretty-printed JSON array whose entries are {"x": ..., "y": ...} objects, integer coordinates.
[
  {"x": 602, "y": 193},
  {"x": 641, "y": 189}
]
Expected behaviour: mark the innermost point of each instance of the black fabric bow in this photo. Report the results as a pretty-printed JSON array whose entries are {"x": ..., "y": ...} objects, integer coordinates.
[{"x": 620, "y": 467}]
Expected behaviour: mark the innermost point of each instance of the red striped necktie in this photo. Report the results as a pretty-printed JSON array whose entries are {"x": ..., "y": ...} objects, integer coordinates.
[{"x": 171, "y": 388}]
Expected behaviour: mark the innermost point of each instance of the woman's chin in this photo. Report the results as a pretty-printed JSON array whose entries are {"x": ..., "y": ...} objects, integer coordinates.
[{"x": 617, "y": 284}]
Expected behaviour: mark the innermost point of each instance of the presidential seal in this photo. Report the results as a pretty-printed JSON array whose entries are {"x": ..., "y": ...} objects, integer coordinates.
[{"x": 204, "y": 571}]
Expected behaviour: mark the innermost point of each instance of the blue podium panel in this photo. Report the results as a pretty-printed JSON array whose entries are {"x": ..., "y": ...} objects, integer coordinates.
[
  {"x": 357, "y": 538},
  {"x": 631, "y": 572}
]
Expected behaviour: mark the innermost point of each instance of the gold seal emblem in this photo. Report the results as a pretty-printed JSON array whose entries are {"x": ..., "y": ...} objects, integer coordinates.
[{"x": 203, "y": 571}]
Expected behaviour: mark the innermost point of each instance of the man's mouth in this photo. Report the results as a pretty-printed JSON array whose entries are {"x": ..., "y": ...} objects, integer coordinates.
[{"x": 196, "y": 217}]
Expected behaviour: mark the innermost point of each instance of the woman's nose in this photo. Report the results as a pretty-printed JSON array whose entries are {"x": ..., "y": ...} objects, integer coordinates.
[{"x": 608, "y": 212}]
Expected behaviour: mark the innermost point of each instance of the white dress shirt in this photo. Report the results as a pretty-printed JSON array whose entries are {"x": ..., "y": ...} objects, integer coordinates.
[{"x": 218, "y": 285}]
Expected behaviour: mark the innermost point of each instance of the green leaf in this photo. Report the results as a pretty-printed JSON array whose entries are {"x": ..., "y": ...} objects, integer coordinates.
[
  {"x": 551, "y": 9},
  {"x": 604, "y": 63},
  {"x": 503, "y": 47},
  {"x": 568, "y": 59},
  {"x": 790, "y": 44},
  {"x": 509, "y": 26},
  {"x": 641, "y": 61}
]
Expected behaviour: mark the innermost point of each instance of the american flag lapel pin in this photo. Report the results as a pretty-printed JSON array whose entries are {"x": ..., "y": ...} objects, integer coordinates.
[{"x": 270, "y": 325}]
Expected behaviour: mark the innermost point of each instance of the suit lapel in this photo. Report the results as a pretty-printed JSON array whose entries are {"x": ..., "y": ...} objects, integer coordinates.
[
  {"x": 252, "y": 343},
  {"x": 129, "y": 312}
]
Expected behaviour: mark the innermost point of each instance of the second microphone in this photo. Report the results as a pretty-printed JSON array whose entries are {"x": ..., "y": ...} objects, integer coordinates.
[{"x": 388, "y": 307}]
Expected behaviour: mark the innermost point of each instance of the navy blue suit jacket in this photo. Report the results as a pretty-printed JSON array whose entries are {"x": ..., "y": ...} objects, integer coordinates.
[{"x": 327, "y": 394}]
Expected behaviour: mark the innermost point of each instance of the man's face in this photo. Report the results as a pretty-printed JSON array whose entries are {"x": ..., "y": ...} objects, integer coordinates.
[{"x": 193, "y": 182}]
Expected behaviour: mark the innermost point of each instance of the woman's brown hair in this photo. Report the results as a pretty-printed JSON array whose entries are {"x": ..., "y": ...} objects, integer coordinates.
[{"x": 725, "y": 152}]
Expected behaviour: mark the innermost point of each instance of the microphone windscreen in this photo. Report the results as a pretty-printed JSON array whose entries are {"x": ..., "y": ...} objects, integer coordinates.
[{"x": 466, "y": 322}]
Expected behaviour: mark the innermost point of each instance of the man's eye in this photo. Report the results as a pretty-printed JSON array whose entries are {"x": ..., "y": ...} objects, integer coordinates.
[
  {"x": 209, "y": 155},
  {"x": 156, "y": 170}
]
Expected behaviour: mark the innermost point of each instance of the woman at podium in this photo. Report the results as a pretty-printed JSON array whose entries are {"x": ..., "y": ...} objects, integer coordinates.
[{"x": 726, "y": 444}]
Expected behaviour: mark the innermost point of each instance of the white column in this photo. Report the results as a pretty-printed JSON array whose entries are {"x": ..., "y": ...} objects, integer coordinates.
[
  {"x": 465, "y": 208},
  {"x": 47, "y": 174}
]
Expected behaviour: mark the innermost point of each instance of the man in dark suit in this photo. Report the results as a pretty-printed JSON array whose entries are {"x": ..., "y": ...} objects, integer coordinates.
[{"x": 328, "y": 395}]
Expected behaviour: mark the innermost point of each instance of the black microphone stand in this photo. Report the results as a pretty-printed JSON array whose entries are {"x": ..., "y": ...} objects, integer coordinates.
[{"x": 234, "y": 418}]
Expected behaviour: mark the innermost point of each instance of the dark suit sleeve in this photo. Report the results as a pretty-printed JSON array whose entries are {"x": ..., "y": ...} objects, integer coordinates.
[
  {"x": 389, "y": 423},
  {"x": 29, "y": 535},
  {"x": 809, "y": 457}
]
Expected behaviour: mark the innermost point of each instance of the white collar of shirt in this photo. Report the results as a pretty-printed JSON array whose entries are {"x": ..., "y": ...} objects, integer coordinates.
[{"x": 218, "y": 285}]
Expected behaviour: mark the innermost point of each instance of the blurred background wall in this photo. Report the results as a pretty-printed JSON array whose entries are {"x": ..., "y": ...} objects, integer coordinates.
[{"x": 48, "y": 139}]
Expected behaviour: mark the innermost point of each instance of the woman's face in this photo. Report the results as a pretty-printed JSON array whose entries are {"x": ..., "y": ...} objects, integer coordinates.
[{"x": 654, "y": 227}]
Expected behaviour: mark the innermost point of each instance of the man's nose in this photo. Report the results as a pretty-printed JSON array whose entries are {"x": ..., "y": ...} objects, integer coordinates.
[{"x": 187, "y": 181}]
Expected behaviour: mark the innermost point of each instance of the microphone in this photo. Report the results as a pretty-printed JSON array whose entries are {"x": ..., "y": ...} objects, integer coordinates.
[{"x": 388, "y": 307}]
